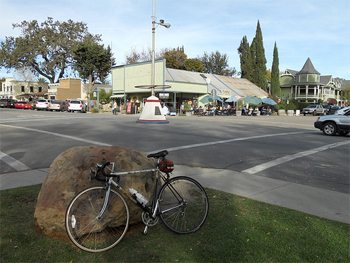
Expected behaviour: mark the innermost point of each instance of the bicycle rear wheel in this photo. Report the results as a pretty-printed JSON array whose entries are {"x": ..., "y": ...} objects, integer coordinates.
[
  {"x": 183, "y": 205},
  {"x": 88, "y": 232}
]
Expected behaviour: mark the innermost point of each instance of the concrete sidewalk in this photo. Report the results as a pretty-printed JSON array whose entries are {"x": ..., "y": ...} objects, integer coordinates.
[{"x": 316, "y": 201}]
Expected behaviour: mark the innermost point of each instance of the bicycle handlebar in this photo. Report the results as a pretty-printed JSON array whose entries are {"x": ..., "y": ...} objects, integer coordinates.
[{"x": 101, "y": 168}]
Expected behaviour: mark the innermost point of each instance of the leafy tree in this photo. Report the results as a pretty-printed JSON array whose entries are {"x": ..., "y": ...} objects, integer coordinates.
[
  {"x": 194, "y": 64},
  {"x": 345, "y": 94},
  {"x": 217, "y": 63},
  {"x": 105, "y": 96},
  {"x": 46, "y": 48},
  {"x": 246, "y": 59},
  {"x": 93, "y": 62},
  {"x": 258, "y": 58},
  {"x": 175, "y": 58},
  {"x": 275, "y": 74}
]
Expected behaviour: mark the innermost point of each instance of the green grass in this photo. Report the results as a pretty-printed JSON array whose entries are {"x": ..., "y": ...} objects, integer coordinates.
[{"x": 237, "y": 230}]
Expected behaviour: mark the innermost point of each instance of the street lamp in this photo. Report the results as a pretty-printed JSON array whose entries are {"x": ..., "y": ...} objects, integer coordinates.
[{"x": 154, "y": 25}]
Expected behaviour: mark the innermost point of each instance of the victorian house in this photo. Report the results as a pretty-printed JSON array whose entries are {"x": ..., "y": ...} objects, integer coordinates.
[{"x": 308, "y": 85}]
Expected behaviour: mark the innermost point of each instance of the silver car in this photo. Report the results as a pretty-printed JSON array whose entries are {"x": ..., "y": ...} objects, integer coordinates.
[{"x": 333, "y": 124}]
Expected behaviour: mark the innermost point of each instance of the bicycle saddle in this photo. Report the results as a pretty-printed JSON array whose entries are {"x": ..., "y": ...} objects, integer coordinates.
[{"x": 157, "y": 155}]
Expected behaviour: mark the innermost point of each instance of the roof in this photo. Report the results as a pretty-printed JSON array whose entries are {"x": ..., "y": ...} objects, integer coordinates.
[
  {"x": 308, "y": 68},
  {"x": 325, "y": 79},
  {"x": 235, "y": 86}
]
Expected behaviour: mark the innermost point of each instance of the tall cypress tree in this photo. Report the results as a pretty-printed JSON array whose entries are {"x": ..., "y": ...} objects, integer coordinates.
[
  {"x": 245, "y": 59},
  {"x": 275, "y": 74},
  {"x": 260, "y": 60}
]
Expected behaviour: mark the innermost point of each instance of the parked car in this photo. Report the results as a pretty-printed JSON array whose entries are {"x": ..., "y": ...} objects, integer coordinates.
[
  {"x": 23, "y": 105},
  {"x": 42, "y": 104},
  {"x": 342, "y": 110},
  {"x": 7, "y": 103},
  {"x": 58, "y": 105},
  {"x": 333, "y": 109},
  {"x": 314, "y": 109},
  {"x": 76, "y": 105},
  {"x": 333, "y": 124}
]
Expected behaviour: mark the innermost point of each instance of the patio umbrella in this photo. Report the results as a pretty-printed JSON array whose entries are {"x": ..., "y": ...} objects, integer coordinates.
[
  {"x": 232, "y": 99},
  {"x": 253, "y": 100},
  {"x": 206, "y": 99},
  {"x": 209, "y": 98},
  {"x": 217, "y": 98},
  {"x": 269, "y": 101}
]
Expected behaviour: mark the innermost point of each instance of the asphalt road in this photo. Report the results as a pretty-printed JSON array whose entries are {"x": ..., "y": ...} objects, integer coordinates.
[{"x": 284, "y": 148}]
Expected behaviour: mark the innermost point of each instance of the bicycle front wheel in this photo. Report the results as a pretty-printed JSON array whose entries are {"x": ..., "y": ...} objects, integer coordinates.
[
  {"x": 94, "y": 232},
  {"x": 183, "y": 205}
]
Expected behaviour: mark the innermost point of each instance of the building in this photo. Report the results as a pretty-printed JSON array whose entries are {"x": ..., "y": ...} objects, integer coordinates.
[
  {"x": 26, "y": 90},
  {"x": 308, "y": 85},
  {"x": 175, "y": 86}
]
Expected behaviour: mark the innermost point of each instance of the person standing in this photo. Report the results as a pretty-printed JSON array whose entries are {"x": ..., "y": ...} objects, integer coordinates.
[{"x": 114, "y": 107}]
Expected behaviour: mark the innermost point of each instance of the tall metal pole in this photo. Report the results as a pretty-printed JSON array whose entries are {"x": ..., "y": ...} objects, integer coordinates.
[{"x": 153, "y": 45}]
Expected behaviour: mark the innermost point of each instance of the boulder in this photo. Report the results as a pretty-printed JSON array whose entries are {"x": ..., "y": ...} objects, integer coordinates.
[{"x": 69, "y": 174}]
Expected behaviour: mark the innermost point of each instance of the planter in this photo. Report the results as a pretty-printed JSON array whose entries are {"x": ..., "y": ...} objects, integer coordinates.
[
  {"x": 290, "y": 112},
  {"x": 238, "y": 113},
  {"x": 282, "y": 112}
]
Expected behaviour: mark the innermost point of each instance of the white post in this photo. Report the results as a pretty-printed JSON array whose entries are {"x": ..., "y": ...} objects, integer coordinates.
[{"x": 153, "y": 46}]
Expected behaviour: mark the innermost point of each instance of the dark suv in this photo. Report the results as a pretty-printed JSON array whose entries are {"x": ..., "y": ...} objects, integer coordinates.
[{"x": 7, "y": 103}]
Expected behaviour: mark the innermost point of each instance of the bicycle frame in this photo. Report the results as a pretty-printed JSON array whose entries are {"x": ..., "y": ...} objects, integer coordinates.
[{"x": 154, "y": 208}]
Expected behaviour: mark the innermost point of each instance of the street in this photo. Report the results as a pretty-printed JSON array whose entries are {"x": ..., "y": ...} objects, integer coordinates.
[{"x": 283, "y": 148}]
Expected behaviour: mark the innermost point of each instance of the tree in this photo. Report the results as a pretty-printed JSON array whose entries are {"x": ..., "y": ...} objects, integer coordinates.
[
  {"x": 134, "y": 56},
  {"x": 105, "y": 97},
  {"x": 175, "y": 58},
  {"x": 93, "y": 62},
  {"x": 275, "y": 74},
  {"x": 245, "y": 59},
  {"x": 46, "y": 48},
  {"x": 217, "y": 63},
  {"x": 194, "y": 64},
  {"x": 258, "y": 57}
]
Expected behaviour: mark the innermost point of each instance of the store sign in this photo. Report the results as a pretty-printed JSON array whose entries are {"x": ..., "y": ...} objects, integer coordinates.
[{"x": 163, "y": 95}]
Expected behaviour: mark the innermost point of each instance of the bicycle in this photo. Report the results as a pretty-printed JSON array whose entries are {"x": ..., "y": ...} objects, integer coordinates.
[{"x": 98, "y": 217}]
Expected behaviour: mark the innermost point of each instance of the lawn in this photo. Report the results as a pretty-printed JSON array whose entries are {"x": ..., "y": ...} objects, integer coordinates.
[{"x": 237, "y": 229}]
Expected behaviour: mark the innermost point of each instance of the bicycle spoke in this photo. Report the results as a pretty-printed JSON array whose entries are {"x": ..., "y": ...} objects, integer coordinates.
[{"x": 183, "y": 205}]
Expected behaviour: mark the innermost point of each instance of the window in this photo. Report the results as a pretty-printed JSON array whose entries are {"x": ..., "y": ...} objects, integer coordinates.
[
  {"x": 31, "y": 89},
  {"x": 40, "y": 89},
  {"x": 22, "y": 89}
]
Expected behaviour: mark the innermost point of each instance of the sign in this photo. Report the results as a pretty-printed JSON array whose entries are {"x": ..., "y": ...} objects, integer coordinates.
[
  {"x": 163, "y": 95},
  {"x": 128, "y": 109}
]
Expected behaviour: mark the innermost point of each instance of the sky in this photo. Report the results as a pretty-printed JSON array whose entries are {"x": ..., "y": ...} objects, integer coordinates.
[{"x": 318, "y": 29}]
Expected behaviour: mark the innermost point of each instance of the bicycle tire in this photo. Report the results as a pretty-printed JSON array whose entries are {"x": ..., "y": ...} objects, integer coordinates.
[
  {"x": 183, "y": 205},
  {"x": 89, "y": 233}
]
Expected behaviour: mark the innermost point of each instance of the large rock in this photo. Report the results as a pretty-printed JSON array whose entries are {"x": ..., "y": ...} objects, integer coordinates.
[{"x": 70, "y": 173}]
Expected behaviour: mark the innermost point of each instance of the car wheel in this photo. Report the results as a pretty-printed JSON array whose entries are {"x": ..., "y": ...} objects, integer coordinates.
[{"x": 329, "y": 128}]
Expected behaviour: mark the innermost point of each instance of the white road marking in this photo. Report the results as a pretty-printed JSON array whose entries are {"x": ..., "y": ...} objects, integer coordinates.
[
  {"x": 227, "y": 141},
  {"x": 15, "y": 164},
  {"x": 59, "y": 135},
  {"x": 288, "y": 158}
]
